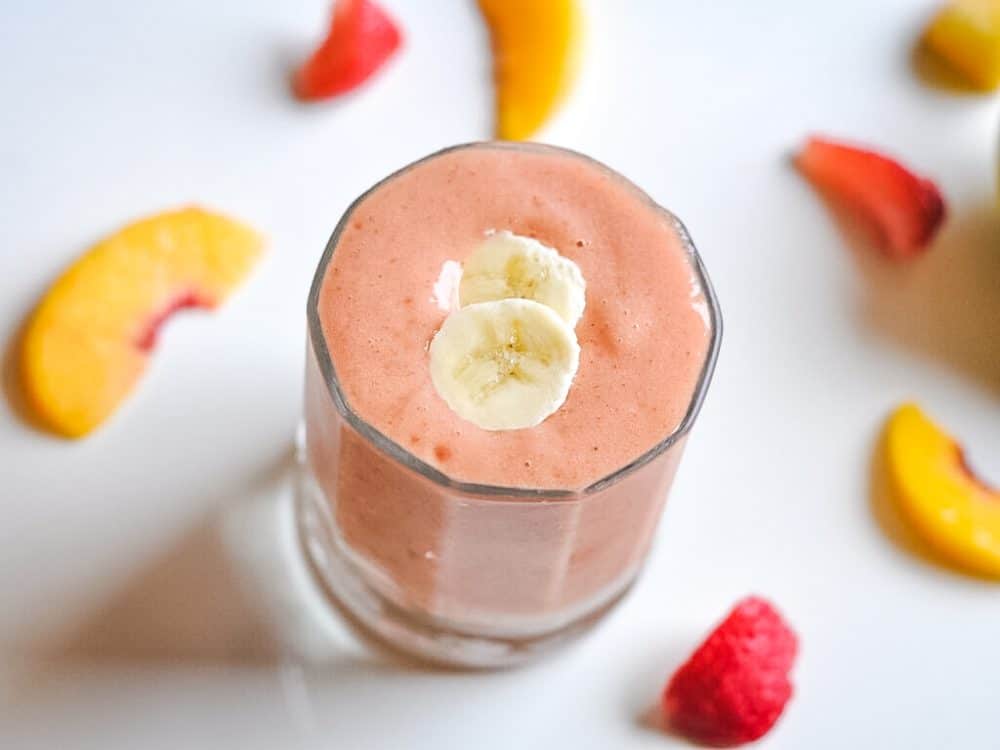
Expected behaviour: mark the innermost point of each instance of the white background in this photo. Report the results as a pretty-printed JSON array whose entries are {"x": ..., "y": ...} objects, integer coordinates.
[{"x": 149, "y": 596}]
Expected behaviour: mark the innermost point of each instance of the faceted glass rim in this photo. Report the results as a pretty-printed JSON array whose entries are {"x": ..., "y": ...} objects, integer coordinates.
[{"x": 500, "y": 492}]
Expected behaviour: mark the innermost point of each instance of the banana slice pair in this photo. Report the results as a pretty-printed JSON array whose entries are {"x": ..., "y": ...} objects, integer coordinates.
[{"x": 507, "y": 358}]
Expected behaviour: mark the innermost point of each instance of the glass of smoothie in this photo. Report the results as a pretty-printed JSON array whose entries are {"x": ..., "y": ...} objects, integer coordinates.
[{"x": 482, "y": 527}]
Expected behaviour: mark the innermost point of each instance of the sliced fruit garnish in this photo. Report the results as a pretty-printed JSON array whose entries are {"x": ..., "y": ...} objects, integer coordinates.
[
  {"x": 508, "y": 265},
  {"x": 736, "y": 684},
  {"x": 87, "y": 342},
  {"x": 953, "y": 511},
  {"x": 504, "y": 365},
  {"x": 905, "y": 210},
  {"x": 361, "y": 39},
  {"x": 966, "y": 35},
  {"x": 535, "y": 49}
]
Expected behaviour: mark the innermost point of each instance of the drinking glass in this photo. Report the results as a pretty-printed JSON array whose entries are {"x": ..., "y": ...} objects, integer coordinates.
[{"x": 469, "y": 574}]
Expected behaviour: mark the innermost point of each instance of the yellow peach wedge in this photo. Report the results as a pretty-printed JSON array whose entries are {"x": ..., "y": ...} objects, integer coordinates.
[
  {"x": 88, "y": 341},
  {"x": 966, "y": 35},
  {"x": 939, "y": 497},
  {"x": 535, "y": 49}
]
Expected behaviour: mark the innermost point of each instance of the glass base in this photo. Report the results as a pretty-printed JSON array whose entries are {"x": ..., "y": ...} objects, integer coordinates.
[{"x": 415, "y": 634}]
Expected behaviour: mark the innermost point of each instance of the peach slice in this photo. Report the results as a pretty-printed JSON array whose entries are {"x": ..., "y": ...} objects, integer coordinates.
[
  {"x": 535, "y": 49},
  {"x": 87, "y": 342},
  {"x": 966, "y": 35},
  {"x": 954, "y": 512}
]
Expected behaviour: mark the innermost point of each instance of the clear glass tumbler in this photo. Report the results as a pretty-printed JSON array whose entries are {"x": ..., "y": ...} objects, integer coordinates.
[{"x": 466, "y": 574}]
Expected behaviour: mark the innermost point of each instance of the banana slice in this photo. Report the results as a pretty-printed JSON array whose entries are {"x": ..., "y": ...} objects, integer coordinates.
[
  {"x": 508, "y": 265},
  {"x": 504, "y": 365}
]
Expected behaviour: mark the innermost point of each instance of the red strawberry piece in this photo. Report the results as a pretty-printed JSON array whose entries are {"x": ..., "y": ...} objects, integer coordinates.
[
  {"x": 905, "y": 209},
  {"x": 735, "y": 685},
  {"x": 361, "y": 38}
]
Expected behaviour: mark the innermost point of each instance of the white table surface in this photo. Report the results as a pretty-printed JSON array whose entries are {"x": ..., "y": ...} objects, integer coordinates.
[{"x": 149, "y": 593}]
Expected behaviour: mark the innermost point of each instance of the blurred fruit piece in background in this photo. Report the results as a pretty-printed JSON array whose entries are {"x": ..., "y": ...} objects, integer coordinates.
[
  {"x": 535, "y": 49},
  {"x": 937, "y": 494},
  {"x": 966, "y": 35},
  {"x": 87, "y": 342},
  {"x": 904, "y": 209},
  {"x": 362, "y": 37}
]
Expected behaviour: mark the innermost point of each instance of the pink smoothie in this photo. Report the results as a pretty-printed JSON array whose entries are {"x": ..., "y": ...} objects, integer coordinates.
[{"x": 644, "y": 340}]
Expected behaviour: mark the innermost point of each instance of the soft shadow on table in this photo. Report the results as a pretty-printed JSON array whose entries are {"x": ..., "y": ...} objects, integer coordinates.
[
  {"x": 233, "y": 591},
  {"x": 289, "y": 56},
  {"x": 944, "y": 305},
  {"x": 649, "y": 681}
]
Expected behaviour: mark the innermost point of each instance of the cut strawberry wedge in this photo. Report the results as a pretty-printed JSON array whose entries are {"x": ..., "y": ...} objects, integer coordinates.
[
  {"x": 906, "y": 210},
  {"x": 361, "y": 38}
]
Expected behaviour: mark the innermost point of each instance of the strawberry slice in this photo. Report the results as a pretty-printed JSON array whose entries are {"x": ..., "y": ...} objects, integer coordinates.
[
  {"x": 906, "y": 210},
  {"x": 362, "y": 37}
]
